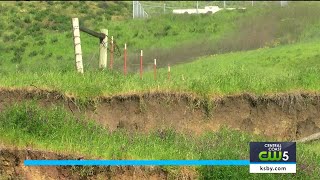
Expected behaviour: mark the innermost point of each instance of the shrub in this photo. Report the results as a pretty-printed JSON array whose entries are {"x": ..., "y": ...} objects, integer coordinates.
[
  {"x": 16, "y": 59},
  {"x": 76, "y": 5},
  {"x": 61, "y": 25},
  {"x": 21, "y": 25},
  {"x": 59, "y": 58},
  {"x": 39, "y": 17},
  {"x": 16, "y": 21},
  {"x": 48, "y": 55},
  {"x": 50, "y": 2},
  {"x": 19, "y": 51},
  {"x": 65, "y": 5},
  {"x": 98, "y": 18},
  {"x": 103, "y": 5},
  {"x": 24, "y": 44},
  {"x": 54, "y": 40},
  {"x": 33, "y": 53},
  {"x": 61, "y": 19},
  {"x": 2, "y": 47},
  {"x": 6, "y": 38},
  {"x": 41, "y": 42},
  {"x": 42, "y": 52},
  {"x": 83, "y": 10},
  {"x": 33, "y": 29},
  {"x": 12, "y": 48},
  {"x": 13, "y": 11},
  {"x": 27, "y": 20},
  {"x": 68, "y": 35},
  {"x": 37, "y": 38},
  {"x": 17, "y": 31},
  {"x": 11, "y": 26},
  {"x": 40, "y": 33},
  {"x": 13, "y": 37}
]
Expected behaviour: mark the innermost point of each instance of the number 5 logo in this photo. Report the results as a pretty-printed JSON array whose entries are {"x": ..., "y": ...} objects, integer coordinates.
[{"x": 285, "y": 156}]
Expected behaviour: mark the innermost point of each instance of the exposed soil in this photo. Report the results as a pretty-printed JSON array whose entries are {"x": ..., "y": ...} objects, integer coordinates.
[
  {"x": 11, "y": 167},
  {"x": 282, "y": 116}
]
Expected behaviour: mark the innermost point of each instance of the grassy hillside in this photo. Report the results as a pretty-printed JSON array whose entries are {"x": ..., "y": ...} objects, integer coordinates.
[
  {"x": 33, "y": 32},
  {"x": 282, "y": 69},
  {"x": 39, "y": 33},
  {"x": 288, "y": 60},
  {"x": 46, "y": 34},
  {"x": 264, "y": 49}
]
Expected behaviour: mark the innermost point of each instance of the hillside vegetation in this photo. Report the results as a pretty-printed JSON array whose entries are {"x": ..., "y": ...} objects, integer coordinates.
[
  {"x": 36, "y": 45},
  {"x": 54, "y": 129},
  {"x": 265, "y": 49},
  {"x": 283, "y": 42},
  {"x": 286, "y": 68},
  {"x": 39, "y": 33}
]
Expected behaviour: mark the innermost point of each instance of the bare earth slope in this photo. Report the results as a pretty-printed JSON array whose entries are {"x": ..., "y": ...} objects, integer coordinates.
[
  {"x": 11, "y": 167},
  {"x": 282, "y": 116}
]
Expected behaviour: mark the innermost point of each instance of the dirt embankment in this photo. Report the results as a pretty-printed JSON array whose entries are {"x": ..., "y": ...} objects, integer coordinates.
[
  {"x": 11, "y": 167},
  {"x": 282, "y": 116}
]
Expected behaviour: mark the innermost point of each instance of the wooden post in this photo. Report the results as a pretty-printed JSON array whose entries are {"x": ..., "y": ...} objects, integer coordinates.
[
  {"x": 103, "y": 50},
  {"x": 155, "y": 69},
  {"x": 141, "y": 64},
  {"x": 168, "y": 71},
  {"x": 125, "y": 59},
  {"x": 77, "y": 45},
  {"x": 111, "y": 53}
]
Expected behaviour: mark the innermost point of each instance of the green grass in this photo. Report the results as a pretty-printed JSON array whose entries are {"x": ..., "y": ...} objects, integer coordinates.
[
  {"x": 287, "y": 68},
  {"x": 28, "y": 125},
  {"x": 37, "y": 51},
  {"x": 37, "y": 34},
  {"x": 162, "y": 32},
  {"x": 314, "y": 146},
  {"x": 44, "y": 56}
]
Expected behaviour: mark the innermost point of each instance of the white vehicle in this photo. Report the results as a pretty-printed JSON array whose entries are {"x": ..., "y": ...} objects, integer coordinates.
[{"x": 207, "y": 9}]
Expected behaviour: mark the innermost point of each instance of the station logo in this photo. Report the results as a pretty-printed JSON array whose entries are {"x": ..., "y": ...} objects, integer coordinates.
[{"x": 272, "y": 157}]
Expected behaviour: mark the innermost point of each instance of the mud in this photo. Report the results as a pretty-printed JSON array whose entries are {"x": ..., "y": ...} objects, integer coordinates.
[
  {"x": 11, "y": 167},
  {"x": 281, "y": 116}
]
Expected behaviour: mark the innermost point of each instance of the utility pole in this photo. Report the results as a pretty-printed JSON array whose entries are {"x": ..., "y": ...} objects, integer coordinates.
[
  {"x": 133, "y": 9},
  {"x": 197, "y": 7},
  {"x": 140, "y": 10},
  {"x": 283, "y": 3}
]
